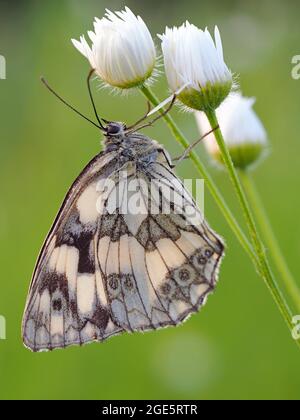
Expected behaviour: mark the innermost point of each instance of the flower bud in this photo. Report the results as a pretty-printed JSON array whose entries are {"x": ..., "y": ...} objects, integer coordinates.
[
  {"x": 122, "y": 52},
  {"x": 195, "y": 66},
  {"x": 243, "y": 131}
]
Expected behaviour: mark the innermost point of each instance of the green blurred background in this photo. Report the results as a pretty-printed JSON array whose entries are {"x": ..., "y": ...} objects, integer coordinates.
[{"x": 238, "y": 347}]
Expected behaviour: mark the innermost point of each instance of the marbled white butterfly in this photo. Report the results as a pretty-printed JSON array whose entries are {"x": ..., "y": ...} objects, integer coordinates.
[{"x": 105, "y": 268}]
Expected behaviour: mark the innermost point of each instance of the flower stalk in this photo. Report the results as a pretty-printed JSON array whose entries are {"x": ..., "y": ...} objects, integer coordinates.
[
  {"x": 246, "y": 140},
  {"x": 264, "y": 267},
  {"x": 270, "y": 237}
]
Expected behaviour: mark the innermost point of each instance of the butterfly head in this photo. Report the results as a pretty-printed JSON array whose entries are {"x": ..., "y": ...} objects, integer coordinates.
[{"x": 114, "y": 131}]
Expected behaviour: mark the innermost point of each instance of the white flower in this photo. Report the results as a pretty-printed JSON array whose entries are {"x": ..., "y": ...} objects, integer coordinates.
[
  {"x": 123, "y": 52},
  {"x": 193, "y": 59},
  {"x": 243, "y": 131}
]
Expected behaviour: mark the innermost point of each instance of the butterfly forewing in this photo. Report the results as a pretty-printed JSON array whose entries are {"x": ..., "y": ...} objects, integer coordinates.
[
  {"x": 107, "y": 267},
  {"x": 66, "y": 284}
]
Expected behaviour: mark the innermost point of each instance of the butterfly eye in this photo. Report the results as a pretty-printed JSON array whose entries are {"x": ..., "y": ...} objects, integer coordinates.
[{"x": 113, "y": 129}]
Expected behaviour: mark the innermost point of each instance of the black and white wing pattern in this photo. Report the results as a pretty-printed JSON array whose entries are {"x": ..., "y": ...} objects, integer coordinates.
[
  {"x": 67, "y": 303},
  {"x": 105, "y": 269}
]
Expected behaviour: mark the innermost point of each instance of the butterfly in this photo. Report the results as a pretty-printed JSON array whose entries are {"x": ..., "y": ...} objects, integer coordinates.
[{"x": 107, "y": 268}]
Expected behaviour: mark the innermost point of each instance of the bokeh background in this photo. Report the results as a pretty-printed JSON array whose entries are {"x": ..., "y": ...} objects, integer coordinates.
[{"x": 238, "y": 347}]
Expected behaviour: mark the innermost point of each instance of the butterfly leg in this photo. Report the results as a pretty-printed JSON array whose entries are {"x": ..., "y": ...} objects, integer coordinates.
[
  {"x": 163, "y": 114},
  {"x": 188, "y": 150}
]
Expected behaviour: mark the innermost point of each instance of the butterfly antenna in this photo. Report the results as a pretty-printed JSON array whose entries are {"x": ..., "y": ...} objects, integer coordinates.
[
  {"x": 92, "y": 71},
  {"x": 44, "y": 81}
]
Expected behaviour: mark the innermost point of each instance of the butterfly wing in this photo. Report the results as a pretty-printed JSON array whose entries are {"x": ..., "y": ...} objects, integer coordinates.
[
  {"x": 67, "y": 303},
  {"x": 159, "y": 266},
  {"x": 108, "y": 269}
]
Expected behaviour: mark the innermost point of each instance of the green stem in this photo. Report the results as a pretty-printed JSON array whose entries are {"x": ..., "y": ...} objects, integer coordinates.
[
  {"x": 258, "y": 246},
  {"x": 179, "y": 136},
  {"x": 270, "y": 237}
]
